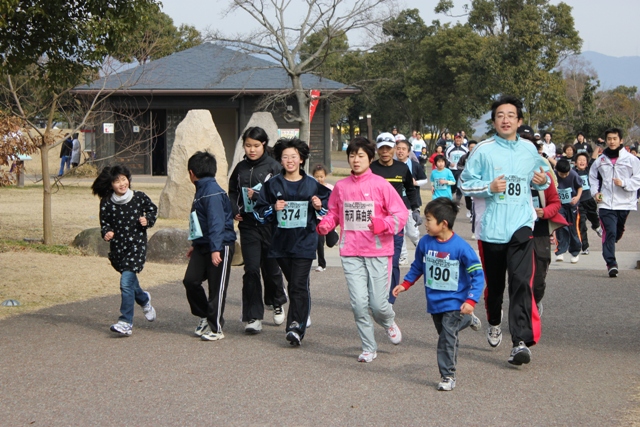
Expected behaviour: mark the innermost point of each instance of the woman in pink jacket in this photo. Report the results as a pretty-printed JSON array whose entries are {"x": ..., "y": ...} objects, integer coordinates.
[{"x": 369, "y": 212}]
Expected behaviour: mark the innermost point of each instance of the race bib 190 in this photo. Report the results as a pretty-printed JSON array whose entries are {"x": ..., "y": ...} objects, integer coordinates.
[
  {"x": 441, "y": 274},
  {"x": 357, "y": 215},
  {"x": 294, "y": 215}
]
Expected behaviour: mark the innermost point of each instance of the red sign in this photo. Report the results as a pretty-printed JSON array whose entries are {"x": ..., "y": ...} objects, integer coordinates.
[{"x": 315, "y": 98}]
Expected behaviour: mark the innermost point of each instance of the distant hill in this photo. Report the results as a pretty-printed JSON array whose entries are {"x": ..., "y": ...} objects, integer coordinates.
[{"x": 612, "y": 71}]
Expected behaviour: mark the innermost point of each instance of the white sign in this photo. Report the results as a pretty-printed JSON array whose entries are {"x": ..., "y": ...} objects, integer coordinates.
[
  {"x": 288, "y": 133},
  {"x": 136, "y": 129},
  {"x": 108, "y": 128}
]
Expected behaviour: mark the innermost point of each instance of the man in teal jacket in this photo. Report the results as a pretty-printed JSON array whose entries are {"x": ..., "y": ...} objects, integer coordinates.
[{"x": 498, "y": 176}]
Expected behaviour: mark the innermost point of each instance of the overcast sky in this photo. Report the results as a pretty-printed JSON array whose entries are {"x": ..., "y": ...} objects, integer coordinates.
[{"x": 607, "y": 27}]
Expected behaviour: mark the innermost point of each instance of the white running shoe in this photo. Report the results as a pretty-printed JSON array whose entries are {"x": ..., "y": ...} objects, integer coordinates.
[
  {"x": 121, "y": 328},
  {"x": 560, "y": 258},
  {"x": 254, "y": 326},
  {"x": 394, "y": 333},
  {"x": 403, "y": 261},
  {"x": 212, "y": 336},
  {"x": 148, "y": 310},
  {"x": 574, "y": 259},
  {"x": 318, "y": 268},
  {"x": 278, "y": 315},
  {"x": 476, "y": 324},
  {"x": 309, "y": 322},
  {"x": 446, "y": 384},
  {"x": 367, "y": 356},
  {"x": 494, "y": 335},
  {"x": 203, "y": 327}
]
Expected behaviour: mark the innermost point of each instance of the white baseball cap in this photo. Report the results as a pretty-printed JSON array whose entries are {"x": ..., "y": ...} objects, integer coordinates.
[{"x": 386, "y": 139}]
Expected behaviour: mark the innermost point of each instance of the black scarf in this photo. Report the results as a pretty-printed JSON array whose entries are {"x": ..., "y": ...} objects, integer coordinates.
[{"x": 612, "y": 154}]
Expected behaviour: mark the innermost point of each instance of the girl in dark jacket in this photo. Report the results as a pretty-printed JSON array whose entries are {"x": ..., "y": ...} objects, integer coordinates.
[
  {"x": 291, "y": 202},
  {"x": 245, "y": 184},
  {"x": 125, "y": 216}
]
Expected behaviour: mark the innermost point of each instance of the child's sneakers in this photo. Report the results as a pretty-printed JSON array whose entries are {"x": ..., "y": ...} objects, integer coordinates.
[
  {"x": 367, "y": 356},
  {"x": 254, "y": 326},
  {"x": 212, "y": 336},
  {"x": 560, "y": 258},
  {"x": 202, "y": 328},
  {"x": 476, "y": 324},
  {"x": 278, "y": 315},
  {"x": 121, "y": 328},
  {"x": 148, "y": 310},
  {"x": 599, "y": 231},
  {"x": 446, "y": 384},
  {"x": 613, "y": 271},
  {"x": 585, "y": 252},
  {"x": 394, "y": 333},
  {"x": 574, "y": 259}
]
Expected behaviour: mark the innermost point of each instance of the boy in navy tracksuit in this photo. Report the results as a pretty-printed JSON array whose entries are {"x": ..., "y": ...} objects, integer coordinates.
[
  {"x": 453, "y": 283},
  {"x": 213, "y": 242},
  {"x": 569, "y": 191}
]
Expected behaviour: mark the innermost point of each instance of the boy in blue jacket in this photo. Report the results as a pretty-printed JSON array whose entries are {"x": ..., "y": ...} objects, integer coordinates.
[
  {"x": 453, "y": 283},
  {"x": 213, "y": 242}
]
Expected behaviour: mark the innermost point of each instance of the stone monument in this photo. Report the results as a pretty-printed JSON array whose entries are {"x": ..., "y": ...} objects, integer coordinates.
[{"x": 196, "y": 132}]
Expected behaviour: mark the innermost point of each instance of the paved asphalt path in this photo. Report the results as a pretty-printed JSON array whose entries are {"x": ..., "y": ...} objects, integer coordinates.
[{"x": 62, "y": 367}]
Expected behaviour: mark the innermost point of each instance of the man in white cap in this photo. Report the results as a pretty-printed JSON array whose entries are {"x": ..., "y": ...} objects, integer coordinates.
[{"x": 399, "y": 176}]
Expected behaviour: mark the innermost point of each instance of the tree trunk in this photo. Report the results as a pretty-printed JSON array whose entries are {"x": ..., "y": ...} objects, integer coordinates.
[{"x": 47, "y": 232}]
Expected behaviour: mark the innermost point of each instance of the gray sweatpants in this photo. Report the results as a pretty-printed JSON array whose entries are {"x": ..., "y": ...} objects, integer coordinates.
[
  {"x": 368, "y": 281},
  {"x": 448, "y": 324}
]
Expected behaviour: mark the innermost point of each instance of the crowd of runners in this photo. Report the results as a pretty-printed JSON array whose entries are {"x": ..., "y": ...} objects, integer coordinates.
[{"x": 518, "y": 193}]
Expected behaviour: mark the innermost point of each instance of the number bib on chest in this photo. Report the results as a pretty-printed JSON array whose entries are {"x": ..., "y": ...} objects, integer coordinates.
[
  {"x": 455, "y": 156},
  {"x": 517, "y": 189},
  {"x": 357, "y": 215},
  {"x": 438, "y": 186},
  {"x": 441, "y": 274},
  {"x": 565, "y": 195},
  {"x": 294, "y": 215},
  {"x": 585, "y": 182},
  {"x": 248, "y": 203}
]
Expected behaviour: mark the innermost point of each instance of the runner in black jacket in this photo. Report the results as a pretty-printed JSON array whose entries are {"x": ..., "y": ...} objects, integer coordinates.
[
  {"x": 399, "y": 176},
  {"x": 245, "y": 184},
  {"x": 291, "y": 202}
]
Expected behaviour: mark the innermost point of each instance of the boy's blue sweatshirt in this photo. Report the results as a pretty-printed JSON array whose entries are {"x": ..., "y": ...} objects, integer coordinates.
[
  {"x": 213, "y": 207},
  {"x": 470, "y": 274}
]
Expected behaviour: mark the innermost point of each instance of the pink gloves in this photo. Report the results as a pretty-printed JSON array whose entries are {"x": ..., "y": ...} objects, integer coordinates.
[
  {"x": 323, "y": 228},
  {"x": 377, "y": 225}
]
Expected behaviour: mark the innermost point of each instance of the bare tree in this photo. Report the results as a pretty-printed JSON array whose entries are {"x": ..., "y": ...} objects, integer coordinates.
[{"x": 286, "y": 25}]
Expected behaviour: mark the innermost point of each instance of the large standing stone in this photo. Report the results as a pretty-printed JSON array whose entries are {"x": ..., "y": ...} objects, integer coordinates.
[
  {"x": 266, "y": 122},
  {"x": 90, "y": 241},
  {"x": 196, "y": 132},
  {"x": 169, "y": 245}
]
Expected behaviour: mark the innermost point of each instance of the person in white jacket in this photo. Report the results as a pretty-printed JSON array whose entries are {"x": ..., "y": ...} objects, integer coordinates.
[{"x": 615, "y": 179}]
